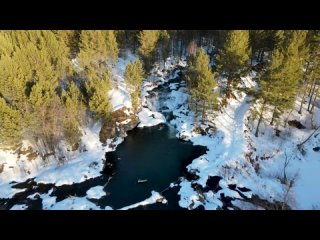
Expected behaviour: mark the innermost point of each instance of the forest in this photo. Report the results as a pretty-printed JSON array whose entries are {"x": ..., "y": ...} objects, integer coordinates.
[
  {"x": 55, "y": 83},
  {"x": 46, "y": 100}
]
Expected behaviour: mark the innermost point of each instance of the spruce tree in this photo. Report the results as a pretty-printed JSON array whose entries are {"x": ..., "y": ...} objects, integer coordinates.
[
  {"x": 201, "y": 82},
  {"x": 133, "y": 77},
  {"x": 10, "y": 125},
  {"x": 234, "y": 56},
  {"x": 148, "y": 40},
  {"x": 75, "y": 113},
  {"x": 279, "y": 84}
]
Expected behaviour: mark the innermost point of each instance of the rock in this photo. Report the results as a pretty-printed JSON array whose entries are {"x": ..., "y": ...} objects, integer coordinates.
[
  {"x": 296, "y": 124},
  {"x": 316, "y": 149},
  {"x": 37, "y": 196},
  {"x": 212, "y": 183},
  {"x": 200, "y": 207},
  {"x": 114, "y": 129}
]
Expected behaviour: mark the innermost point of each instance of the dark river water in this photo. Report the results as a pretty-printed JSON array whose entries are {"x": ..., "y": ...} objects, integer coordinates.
[{"x": 152, "y": 153}]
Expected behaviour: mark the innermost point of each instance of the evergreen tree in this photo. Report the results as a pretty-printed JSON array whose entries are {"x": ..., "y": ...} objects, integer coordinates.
[
  {"x": 201, "y": 82},
  {"x": 279, "y": 84},
  {"x": 97, "y": 97},
  {"x": 234, "y": 56},
  {"x": 112, "y": 45},
  {"x": 75, "y": 113},
  {"x": 148, "y": 40},
  {"x": 133, "y": 77},
  {"x": 312, "y": 68},
  {"x": 10, "y": 125}
]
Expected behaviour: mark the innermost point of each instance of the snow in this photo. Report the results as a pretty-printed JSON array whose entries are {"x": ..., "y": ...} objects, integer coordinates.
[
  {"x": 17, "y": 167},
  {"x": 119, "y": 98},
  {"x": 188, "y": 194},
  {"x": 75, "y": 203},
  {"x": 307, "y": 188},
  {"x": 47, "y": 200},
  {"x": 245, "y": 205},
  {"x": 32, "y": 196},
  {"x": 96, "y": 192},
  {"x": 120, "y": 95},
  {"x": 19, "y": 207},
  {"x": 150, "y": 118},
  {"x": 229, "y": 193},
  {"x": 6, "y": 191},
  {"x": 155, "y": 197},
  {"x": 83, "y": 166}
]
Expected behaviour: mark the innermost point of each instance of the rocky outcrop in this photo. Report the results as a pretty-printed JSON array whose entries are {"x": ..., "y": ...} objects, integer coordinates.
[{"x": 123, "y": 120}]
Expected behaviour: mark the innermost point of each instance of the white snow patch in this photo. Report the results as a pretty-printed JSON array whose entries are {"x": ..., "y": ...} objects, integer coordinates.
[
  {"x": 75, "y": 203},
  {"x": 32, "y": 196},
  {"x": 19, "y": 207},
  {"x": 149, "y": 118},
  {"x": 155, "y": 197},
  {"x": 96, "y": 192},
  {"x": 6, "y": 191}
]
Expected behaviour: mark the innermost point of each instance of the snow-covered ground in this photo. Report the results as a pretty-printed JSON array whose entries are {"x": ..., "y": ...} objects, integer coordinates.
[
  {"x": 150, "y": 118},
  {"x": 119, "y": 95}
]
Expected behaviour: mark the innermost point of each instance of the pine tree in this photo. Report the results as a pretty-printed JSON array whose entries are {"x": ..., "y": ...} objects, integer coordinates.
[
  {"x": 234, "y": 56},
  {"x": 165, "y": 44},
  {"x": 133, "y": 77},
  {"x": 75, "y": 113},
  {"x": 262, "y": 41},
  {"x": 201, "y": 82},
  {"x": 6, "y": 46},
  {"x": 97, "y": 98},
  {"x": 111, "y": 45},
  {"x": 10, "y": 125},
  {"x": 148, "y": 40},
  {"x": 46, "y": 127},
  {"x": 312, "y": 68},
  {"x": 279, "y": 84}
]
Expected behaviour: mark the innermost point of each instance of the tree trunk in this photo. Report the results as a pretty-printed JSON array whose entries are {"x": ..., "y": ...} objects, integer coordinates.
[
  {"x": 196, "y": 108},
  {"x": 260, "y": 119},
  {"x": 300, "y": 144},
  {"x": 302, "y": 100},
  {"x": 273, "y": 114},
  {"x": 228, "y": 88},
  {"x": 203, "y": 111},
  {"x": 286, "y": 121},
  {"x": 314, "y": 100},
  {"x": 262, "y": 55},
  {"x": 305, "y": 90},
  {"x": 311, "y": 96}
]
